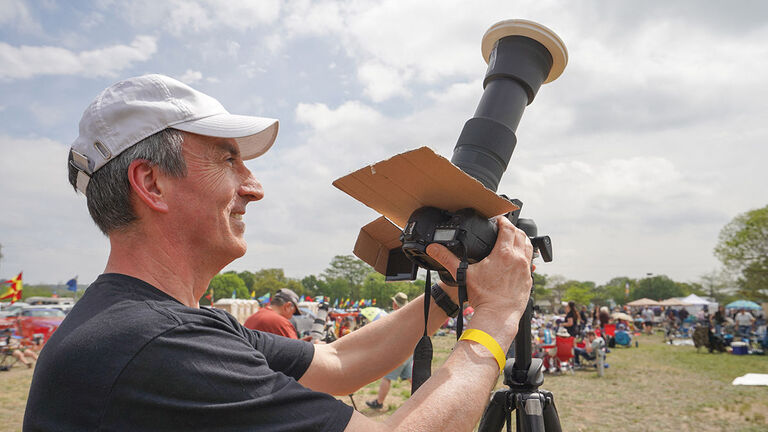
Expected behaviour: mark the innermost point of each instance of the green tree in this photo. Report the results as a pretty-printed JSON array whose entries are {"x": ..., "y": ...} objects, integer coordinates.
[
  {"x": 271, "y": 280},
  {"x": 656, "y": 288},
  {"x": 375, "y": 287},
  {"x": 579, "y": 292},
  {"x": 224, "y": 284},
  {"x": 248, "y": 278},
  {"x": 716, "y": 285},
  {"x": 350, "y": 269},
  {"x": 742, "y": 247},
  {"x": 614, "y": 290},
  {"x": 314, "y": 286}
]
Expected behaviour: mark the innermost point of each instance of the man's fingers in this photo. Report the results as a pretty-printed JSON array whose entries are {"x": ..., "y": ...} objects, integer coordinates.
[{"x": 445, "y": 257}]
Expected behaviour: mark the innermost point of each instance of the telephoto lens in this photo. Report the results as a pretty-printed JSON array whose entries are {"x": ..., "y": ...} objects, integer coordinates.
[{"x": 521, "y": 56}]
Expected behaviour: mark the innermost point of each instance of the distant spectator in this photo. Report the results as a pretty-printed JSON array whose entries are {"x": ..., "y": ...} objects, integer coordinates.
[
  {"x": 589, "y": 352},
  {"x": 648, "y": 320},
  {"x": 583, "y": 317},
  {"x": 604, "y": 316},
  {"x": 744, "y": 320},
  {"x": 718, "y": 319},
  {"x": 571, "y": 323},
  {"x": 276, "y": 317},
  {"x": 24, "y": 354}
]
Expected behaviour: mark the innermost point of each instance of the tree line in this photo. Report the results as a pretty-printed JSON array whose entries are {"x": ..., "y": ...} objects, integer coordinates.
[
  {"x": 346, "y": 277},
  {"x": 742, "y": 248}
]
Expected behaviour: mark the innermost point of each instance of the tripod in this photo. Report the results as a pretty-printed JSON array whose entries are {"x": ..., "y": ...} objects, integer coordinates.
[{"x": 534, "y": 409}]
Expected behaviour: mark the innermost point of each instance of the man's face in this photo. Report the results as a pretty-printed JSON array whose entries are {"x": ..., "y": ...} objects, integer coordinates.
[{"x": 208, "y": 204}]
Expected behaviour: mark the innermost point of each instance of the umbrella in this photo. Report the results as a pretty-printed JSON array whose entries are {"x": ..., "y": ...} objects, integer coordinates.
[
  {"x": 621, "y": 316},
  {"x": 373, "y": 313},
  {"x": 743, "y": 304}
]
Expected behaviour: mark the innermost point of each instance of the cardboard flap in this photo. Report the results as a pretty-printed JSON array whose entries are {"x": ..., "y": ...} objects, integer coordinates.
[
  {"x": 397, "y": 186},
  {"x": 375, "y": 241}
]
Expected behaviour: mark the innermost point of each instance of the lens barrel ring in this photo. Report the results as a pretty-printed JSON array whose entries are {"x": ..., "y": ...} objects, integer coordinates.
[{"x": 533, "y": 30}]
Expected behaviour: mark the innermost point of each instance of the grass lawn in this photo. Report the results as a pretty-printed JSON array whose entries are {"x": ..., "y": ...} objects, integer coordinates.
[{"x": 654, "y": 387}]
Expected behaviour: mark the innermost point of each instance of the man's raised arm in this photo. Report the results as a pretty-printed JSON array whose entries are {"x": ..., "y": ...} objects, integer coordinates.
[{"x": 454, "y": 397}]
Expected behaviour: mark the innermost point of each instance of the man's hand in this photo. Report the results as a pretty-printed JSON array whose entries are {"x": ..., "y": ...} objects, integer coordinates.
[{"x": 500, "y": 284}]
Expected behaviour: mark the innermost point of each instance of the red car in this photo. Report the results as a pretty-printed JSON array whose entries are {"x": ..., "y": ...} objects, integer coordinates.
[{"x": 32, "y": 321}]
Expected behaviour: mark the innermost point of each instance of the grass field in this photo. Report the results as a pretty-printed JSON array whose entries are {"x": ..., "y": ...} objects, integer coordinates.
[{"x": 654, "y": 387}]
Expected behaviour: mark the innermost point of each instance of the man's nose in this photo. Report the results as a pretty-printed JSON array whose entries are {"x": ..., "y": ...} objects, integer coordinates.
[{"x": 250, "y": 188}]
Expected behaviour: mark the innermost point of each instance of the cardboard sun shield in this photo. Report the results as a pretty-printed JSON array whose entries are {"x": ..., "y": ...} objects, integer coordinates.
[{"x": 408, "y": 181}]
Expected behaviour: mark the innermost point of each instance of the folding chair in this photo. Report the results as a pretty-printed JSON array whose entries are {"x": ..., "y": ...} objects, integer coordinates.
[{"x": 565, "y": 352}]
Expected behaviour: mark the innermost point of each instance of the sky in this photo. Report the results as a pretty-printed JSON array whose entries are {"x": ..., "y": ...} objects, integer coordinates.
[{"x": 632, "y": 161}]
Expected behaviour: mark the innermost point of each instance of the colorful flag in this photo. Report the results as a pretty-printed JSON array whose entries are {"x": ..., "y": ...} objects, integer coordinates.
[
  {"x": 72, "y": 284},
  {"x": 336, "y": 303},
  {"x": 373, "y": 302},
  {"x": 264, "y": 299},
  {"x": 253, "y": 295},
  {"x": 14, "y": 291},
  {"x": 626, "y": 289}
]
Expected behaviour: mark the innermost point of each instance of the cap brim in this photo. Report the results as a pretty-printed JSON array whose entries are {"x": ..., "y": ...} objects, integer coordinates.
[
  {"x": 254, "y": 135},
  {"x": 297, "y": 311}
]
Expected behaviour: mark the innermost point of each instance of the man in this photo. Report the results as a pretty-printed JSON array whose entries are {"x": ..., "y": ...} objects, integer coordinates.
[
  {"x": 275, "y": 317},
  {"x": 744, "y": 321},
  {"x": 161, "y": 166},
  {"x": 591, "y": 349},
  {"x": 648, "y": 320},
  {"x": 404, "y": 371}
]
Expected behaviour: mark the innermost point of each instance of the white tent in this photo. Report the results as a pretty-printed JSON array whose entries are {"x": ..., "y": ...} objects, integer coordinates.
[
  {"x": 693, "y": 299},
  {"x": 697, "y": 303}
]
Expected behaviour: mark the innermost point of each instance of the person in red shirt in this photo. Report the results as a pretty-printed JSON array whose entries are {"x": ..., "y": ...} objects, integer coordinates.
[{"x": 276, "y": 316}]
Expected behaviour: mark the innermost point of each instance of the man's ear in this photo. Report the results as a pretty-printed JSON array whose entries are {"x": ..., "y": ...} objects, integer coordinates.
[{"x": 146, "y": 182}]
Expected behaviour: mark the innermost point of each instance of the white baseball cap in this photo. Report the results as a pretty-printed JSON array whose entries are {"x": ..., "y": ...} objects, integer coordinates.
[{"x": 131, "y": 110}]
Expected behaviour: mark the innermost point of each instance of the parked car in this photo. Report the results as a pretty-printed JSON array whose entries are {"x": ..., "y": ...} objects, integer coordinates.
[
  {"x": 32, "y": 321},
  {"x": 12, "y": 310}
]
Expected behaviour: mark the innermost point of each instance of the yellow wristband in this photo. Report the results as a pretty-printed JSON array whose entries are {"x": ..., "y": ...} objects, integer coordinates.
[{"x": 487, "y": 341}]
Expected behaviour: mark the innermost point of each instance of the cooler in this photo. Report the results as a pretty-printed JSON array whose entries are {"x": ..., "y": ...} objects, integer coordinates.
[{"x": 739, "y": 348}]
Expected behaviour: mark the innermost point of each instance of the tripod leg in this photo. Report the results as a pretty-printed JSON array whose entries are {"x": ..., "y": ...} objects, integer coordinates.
[
  {"x": 530, "y": 412},
  {"x": 551, "y": 418},
  {"x": 495, "y": 413}
]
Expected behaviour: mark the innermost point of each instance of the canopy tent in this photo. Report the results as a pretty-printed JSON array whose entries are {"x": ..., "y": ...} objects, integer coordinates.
[
  {"x": 674, "y": 301},
  {"x": 743, "y": 304},
  {"x": 695, "y": 300},
  {"x": 643, "y": 302}
]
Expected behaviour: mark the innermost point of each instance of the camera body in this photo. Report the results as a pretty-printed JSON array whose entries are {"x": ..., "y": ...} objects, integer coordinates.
[{"x": 464, "y": 232}]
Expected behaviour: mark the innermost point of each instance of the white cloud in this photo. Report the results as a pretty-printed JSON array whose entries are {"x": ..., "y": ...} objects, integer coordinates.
[
  {"x": 29, "y": 61},
  {"x": 180, "y": 17},
  {"x": 382, "y": 82},
  {"x": 16, "y": 14},
  {"x": 191, "y": 76}
]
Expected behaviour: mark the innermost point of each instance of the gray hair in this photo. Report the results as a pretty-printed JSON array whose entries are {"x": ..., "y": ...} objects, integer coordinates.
[
  {"x": 109, "y": 191},
  {"x": 278, "y": 301}
]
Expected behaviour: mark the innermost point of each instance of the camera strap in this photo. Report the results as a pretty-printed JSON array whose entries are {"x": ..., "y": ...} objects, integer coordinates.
[
  {"x": 461, "y": 281},
  {"x": 422, "y": 355}
]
